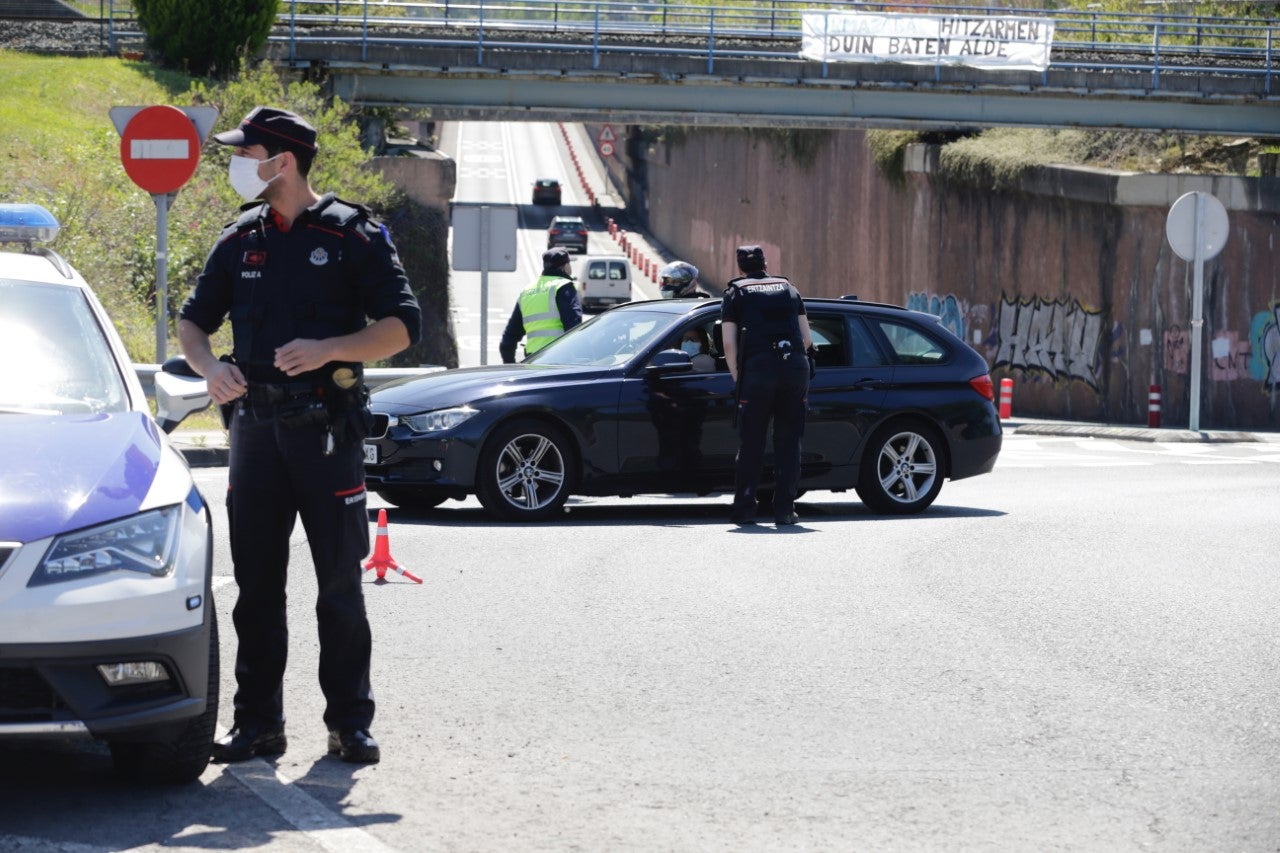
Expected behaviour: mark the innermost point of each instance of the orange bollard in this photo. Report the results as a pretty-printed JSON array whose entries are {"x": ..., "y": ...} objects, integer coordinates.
[
  {"x": 382, "y": 560},
  {"x": 1153, "y": 407},
  {"x": 1006, "y": 398}
]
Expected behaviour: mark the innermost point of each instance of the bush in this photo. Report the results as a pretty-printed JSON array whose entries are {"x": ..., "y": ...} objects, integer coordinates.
[{"x": 206, "y": 37}]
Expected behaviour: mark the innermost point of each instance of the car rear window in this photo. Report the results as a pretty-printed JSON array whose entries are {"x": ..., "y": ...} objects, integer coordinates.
[{"x": 911, "y": 345}]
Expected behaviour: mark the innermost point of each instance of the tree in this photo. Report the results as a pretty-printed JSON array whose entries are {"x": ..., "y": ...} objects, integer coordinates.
[{"x": 206, "y": 37}]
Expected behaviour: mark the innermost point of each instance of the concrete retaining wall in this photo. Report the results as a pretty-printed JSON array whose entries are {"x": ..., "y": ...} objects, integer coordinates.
[{"x": 1069, "y": 286}]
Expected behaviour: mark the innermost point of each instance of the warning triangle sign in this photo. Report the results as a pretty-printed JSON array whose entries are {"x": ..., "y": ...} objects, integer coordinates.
[{"x": 606, "y": 134}]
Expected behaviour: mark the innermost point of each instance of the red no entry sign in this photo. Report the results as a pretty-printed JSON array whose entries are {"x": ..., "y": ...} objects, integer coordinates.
[{"x": 160, "y": 149}]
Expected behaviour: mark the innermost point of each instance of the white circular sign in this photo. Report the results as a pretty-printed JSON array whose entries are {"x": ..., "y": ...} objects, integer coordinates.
[
  {"x": 606, "y": 149},
  {"x": 1180, "y": 227}
]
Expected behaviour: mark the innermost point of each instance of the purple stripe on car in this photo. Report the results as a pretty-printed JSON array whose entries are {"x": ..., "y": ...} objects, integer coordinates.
[{"x": 70, "y": 472}]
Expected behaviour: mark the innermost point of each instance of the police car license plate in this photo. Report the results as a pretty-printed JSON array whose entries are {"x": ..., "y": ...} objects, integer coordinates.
[{"x": 371, "y": 454}]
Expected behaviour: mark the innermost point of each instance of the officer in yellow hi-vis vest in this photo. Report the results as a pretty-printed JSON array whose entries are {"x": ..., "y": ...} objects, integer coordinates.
[{"x": 545, "y": 310}]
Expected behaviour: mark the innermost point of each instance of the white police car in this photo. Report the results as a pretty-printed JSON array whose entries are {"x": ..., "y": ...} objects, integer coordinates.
[{"x": 107, "y": 625}]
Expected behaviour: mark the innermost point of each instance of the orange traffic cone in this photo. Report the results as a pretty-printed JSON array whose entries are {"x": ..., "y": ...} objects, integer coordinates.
[{"x": 382, "y": 559}]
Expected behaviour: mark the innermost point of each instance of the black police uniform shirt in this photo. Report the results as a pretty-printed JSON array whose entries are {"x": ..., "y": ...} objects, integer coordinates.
[
  {"x": 319, "y": 278},
  {"x": 768, "y": 308}
]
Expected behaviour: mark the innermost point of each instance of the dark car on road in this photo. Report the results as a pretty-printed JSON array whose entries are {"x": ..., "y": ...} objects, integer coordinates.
[
  {"x": 613, "y": 407},
  {"x": 568, "y": 231},
  {"x": 546, "y": 191}
]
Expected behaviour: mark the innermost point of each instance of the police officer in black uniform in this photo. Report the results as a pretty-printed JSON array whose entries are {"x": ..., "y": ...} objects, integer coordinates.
[
  {"x": 766, "y": 340},
  {"x": 297, "y": 273}
]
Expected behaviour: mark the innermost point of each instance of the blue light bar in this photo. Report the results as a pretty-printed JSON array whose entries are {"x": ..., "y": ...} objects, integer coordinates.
[{"x": 27, "y": 223}]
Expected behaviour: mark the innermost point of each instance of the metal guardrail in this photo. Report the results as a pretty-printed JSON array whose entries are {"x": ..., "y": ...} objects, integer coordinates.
[{"x": 1085, "y": 39}]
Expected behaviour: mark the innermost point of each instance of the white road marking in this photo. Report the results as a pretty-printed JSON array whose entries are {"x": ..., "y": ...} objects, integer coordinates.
[{"x": 305, "y": 813}]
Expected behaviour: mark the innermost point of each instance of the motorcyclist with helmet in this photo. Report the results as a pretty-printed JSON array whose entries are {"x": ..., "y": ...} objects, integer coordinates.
[{"x": 679, "y": 279}]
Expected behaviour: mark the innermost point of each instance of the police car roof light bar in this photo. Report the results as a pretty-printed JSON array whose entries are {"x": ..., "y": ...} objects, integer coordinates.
[{"x": 27, "y": 223}]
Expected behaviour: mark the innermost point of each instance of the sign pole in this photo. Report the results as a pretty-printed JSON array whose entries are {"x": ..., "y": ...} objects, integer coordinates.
[
  {"x": 162, "y": 200},
  {"x": 1197, "y": 315},
  {"x": 484, "y": 284},
  {"x": 1197, "y": 229}
]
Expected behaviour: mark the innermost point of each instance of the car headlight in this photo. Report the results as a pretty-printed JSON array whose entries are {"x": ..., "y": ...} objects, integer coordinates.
[
  {"x": 439, "y": 420},
  {"x": 146, "y": 543}
]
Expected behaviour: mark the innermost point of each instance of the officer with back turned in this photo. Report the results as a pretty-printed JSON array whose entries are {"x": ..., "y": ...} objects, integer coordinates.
[
  {"x": 297, "y": 273},
  {"x": 766, "y": 338}
]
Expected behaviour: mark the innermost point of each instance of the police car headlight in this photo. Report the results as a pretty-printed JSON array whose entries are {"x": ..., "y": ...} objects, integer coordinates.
[
  {"x": 146, "y": 543},
  {"x": 439, "y": 420}
]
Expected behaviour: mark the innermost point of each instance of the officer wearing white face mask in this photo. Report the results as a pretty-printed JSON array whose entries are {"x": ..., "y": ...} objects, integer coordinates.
[{"x": 313, "y": 287}]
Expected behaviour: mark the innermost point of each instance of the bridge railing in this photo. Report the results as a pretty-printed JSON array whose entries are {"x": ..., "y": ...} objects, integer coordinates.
[
  {"x": 769, "y": 18},
  {"x": 1086, "y": 39}
]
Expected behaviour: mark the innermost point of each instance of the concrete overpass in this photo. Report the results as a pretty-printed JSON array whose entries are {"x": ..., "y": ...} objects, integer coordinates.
[{"x": 747, "y": 76}]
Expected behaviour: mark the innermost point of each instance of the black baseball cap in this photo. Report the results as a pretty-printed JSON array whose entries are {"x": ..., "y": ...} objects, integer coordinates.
[
  {"x": 272, "y": 128},
  {"x": 553, "y": 259},
  {"x": 750, "y": 258}
]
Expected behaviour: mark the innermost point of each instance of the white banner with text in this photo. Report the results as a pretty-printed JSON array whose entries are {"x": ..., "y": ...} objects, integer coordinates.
[{"x": 1011, "y": 43}]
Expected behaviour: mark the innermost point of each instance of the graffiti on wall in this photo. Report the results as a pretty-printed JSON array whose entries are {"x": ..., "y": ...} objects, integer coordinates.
[
  {"x": 947, "y": 308},
  {"x": 1264, "y": 340},
  {"x": 1061, "y": 338},
  {"x": 1229, "y": 357},
  {"x": 1177, "y": 351}
]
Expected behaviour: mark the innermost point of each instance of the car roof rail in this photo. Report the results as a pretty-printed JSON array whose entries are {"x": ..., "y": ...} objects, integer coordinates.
[{"x": 852, "y": 296}]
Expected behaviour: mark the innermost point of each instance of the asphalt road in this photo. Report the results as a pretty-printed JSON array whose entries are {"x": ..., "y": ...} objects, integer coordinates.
[{"x": 1074, "y": 652}]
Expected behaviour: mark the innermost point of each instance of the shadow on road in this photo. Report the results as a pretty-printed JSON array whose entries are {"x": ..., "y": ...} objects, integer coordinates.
[{"x": 583, "y": 512}]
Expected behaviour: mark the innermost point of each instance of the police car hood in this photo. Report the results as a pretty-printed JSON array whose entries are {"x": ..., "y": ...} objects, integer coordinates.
[{"x": 60, "y": 473}]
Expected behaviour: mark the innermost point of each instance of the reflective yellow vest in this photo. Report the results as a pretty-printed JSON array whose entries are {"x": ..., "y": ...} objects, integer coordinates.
[{"x": 540, "y": 314}]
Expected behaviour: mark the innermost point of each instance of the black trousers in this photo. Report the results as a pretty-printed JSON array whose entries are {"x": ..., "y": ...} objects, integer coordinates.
[
  {"x": 773, "y": 389},
  {"x": 277, "y": 474}
]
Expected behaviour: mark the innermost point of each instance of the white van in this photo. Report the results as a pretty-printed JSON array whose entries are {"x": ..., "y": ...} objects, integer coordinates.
[{"x": 604, "y": 280}]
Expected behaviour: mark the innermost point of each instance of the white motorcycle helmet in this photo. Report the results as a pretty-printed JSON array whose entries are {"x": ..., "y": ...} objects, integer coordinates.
[{"x": 677, "y": 279}]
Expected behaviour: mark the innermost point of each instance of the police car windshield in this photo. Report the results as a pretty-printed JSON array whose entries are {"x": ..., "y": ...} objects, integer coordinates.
[
  {"x": 56, "y": 359},
  {"x": 607, "y": 339}
]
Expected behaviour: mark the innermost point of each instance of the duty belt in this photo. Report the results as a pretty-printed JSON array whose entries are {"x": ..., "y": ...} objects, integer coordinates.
[{"x": 265, "y": 392}]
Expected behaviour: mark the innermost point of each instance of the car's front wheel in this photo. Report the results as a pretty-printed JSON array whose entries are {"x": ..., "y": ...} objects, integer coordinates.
[
  {"x": 181, "y": 758},
  {"x": 527, "y": 471},
  {"x": 902, "y": 469}
]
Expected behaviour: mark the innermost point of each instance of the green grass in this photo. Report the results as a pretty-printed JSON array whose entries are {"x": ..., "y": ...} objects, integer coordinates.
[{"x": 66, "y": 99}]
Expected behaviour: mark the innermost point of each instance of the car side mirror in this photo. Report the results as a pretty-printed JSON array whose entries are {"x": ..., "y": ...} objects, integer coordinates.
[
  {"x": 180, "y": 392},
  {"x": 669, "y": 361}
]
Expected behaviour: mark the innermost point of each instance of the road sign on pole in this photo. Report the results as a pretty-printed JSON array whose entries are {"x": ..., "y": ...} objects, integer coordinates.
[
  {"x": 1197, "y": 231},
  {"x": 606, "y": 149},
  {"x": 606, "y": 134},
  {"x": 484, "y": 239},
  {"x": 160, "y": 149}
]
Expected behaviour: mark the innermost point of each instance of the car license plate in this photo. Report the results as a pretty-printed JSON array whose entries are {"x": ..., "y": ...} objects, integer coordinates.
[{"x": 371, "y": 454}]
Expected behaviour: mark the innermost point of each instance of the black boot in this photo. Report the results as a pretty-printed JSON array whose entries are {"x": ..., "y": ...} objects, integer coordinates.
[
  {"x": 244, "y": 742},
  {"x": 356, "y": 746}
]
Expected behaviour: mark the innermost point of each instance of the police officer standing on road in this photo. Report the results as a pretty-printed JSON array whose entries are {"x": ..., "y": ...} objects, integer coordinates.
[
  {"x": 766, "y": 338},
  {"x": 298, "y": 273},
  {"x": 679, "y": 279},
  {"x": 546, "y": 309}
]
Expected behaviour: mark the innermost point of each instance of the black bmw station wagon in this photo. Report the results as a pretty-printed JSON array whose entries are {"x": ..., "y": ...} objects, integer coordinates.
[{"x": 615, "y": 407}]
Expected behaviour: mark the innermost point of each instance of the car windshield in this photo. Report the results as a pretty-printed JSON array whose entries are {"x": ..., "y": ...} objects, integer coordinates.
[
  {"x": 58, "y": 361},
  {"x": 607, "y": 339}
]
